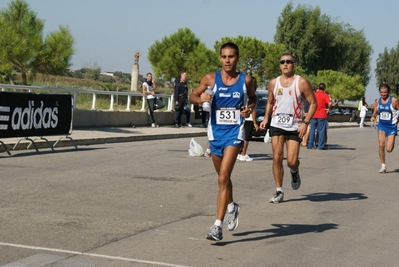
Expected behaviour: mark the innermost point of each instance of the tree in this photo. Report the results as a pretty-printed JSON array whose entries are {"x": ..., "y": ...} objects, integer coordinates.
[
  {"x": 319, "y": 43},
  {"x": 92, "y": 71},
  {"x": 257, "y": 58},
  {"x": 56, "y": 53},
  {"x": 388, "y": 68},
  {"x": 199, "y": 62},
  {"x": 175, "y": 54},
  {"x": 22, "y": 47},
  {"x": 271, "y": 64},
  {"x": 340, "y": 85}
]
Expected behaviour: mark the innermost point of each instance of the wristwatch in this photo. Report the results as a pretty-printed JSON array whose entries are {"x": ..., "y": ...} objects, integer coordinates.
[{"x": 306, "y": 122}]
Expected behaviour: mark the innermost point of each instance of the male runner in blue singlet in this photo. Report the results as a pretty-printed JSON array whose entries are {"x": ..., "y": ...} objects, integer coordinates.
[
  {"x": 386, "y": 107},
  {"x": 233, "y": 100}
]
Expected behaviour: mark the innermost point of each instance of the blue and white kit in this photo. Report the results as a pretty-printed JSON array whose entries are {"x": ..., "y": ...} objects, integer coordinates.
[
  {"x": 226, "y": 126},
  {"x": 387, "y": 117}
]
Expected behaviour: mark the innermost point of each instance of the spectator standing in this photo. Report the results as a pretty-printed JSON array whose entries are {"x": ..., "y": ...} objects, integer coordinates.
[
  {"x": 249, "y": 125},
  {"x": 327, "y": 124},
  {"x": 306, "y": 106},
  {"x": 319, "y": 119},
  {"x": 153, "y": 102},
  {"x": 187, "y": 112},
  {"x": 362, "y": 114},
  {"x": 204, "y": 117},
  {"x": 180, "y": 96},
  {"x": 229, "y": 107},
  {"x": 386, "y": 108},
  {"x": 286, "y": 95}
]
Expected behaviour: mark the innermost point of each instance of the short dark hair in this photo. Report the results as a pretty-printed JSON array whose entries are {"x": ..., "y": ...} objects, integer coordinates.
[
  {"x": 384, "y": 85},
  {"x": 230, "y": 45},
  {"x": 288, "y": 54},
  {"x": 314, "y": 87},
  {"x": 322, "y": 86}
]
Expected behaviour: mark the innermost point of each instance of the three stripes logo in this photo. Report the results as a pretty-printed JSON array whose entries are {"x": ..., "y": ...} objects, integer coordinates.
[{"x": 4, "y": 119}]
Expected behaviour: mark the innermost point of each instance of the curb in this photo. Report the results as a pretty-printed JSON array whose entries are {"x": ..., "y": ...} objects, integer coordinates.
[{"x": 25, "y": 144}]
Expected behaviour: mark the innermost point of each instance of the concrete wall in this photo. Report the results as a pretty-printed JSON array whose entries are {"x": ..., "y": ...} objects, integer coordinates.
[
  {"x": 342, "y": 118},
  {"x": 105, "y": 118}
]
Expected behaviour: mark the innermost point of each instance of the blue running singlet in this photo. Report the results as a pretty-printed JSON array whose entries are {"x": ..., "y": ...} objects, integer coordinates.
[
  {"x": 225, "y": 121},
  {"x": 387, "y": 117}
]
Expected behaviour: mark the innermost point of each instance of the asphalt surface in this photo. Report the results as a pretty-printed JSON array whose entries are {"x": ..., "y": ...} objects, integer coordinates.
[
  {"x": 120, "y": 203},
  {"x": 104, "y": 135}
]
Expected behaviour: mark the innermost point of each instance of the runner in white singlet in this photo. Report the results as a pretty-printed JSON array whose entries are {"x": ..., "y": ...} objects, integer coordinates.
[{"x": 286, "y": 94}]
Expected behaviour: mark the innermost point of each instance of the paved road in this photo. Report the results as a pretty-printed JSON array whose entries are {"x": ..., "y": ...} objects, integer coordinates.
[
  {"x": 149, "y": 204},
  {"x": 103, "y": 135}
]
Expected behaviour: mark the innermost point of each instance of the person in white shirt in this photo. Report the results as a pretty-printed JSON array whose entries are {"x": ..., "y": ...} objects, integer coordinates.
[
  {"x": 153, "y": 102},
  {"x": 287, "y": 127},
  {"x": 362, "y": 115}
]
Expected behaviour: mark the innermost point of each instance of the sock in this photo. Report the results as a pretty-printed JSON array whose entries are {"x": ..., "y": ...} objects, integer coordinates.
[
  {"x": 219, "y": 223},
  {"x": 383, "y": 165},
  {"x": 279, "y": 189},
  {"x": 230, "y": 207}
]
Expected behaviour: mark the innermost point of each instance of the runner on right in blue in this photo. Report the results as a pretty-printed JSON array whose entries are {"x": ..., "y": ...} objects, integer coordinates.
[{"x": 386, "y": 109}]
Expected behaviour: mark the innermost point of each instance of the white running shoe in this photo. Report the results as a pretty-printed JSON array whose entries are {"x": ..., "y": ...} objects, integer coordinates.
[
  {"x": 383, "y": 170},
  {"x": 277, "y": 197},
  {"x": 244, "y": 158},
  {"x": 215, "y": 233},
  {"x": 207, "y": 153},
  {"x": 232, "y": 218}
]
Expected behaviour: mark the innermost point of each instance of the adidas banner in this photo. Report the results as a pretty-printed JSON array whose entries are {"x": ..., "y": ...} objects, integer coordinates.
[{"x": 29, "y": 114}]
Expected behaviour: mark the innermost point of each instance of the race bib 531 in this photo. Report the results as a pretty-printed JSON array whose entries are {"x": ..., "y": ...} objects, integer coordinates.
[{"x": 228, "y": 115}]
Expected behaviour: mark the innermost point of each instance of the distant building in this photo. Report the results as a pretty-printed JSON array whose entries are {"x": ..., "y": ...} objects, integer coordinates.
[{"x": 108, "y": 73}]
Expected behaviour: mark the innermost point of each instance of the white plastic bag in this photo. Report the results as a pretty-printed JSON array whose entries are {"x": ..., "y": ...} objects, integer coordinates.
[
  {"x": 267, "y": 138},
  {"x": 196, "y": 149}
]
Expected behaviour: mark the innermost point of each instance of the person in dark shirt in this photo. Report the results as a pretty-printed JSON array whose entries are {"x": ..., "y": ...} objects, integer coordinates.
[{"x": 180, "y": 96}]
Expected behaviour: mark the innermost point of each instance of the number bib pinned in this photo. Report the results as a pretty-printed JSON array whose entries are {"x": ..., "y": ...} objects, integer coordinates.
[
  {"x": 385, "y": 116},
  {"x": 284, "y": 120},
  {"x": 228, "y": 115}
]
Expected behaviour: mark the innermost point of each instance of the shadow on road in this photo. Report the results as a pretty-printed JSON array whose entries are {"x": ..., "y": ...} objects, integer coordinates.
[
  {"x": 339, "y": 147},
  {"x": 328, "y": 196},
  {"x": 396, "y": 170},
  {"x": 280, "y": 230}
]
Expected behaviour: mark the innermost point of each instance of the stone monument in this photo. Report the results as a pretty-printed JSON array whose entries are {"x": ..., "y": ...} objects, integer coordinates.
[{"x": 135, "y": 72}]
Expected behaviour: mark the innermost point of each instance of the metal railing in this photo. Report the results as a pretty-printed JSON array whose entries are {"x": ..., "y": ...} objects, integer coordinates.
[{"x": 94, "y": 93}]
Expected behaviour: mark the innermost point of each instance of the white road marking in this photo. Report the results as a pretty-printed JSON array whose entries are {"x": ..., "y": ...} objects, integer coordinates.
[{"x": 90, "y": 254}]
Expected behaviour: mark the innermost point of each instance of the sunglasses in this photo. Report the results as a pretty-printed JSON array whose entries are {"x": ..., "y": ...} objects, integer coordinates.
[{"x": 282, "y": 62}]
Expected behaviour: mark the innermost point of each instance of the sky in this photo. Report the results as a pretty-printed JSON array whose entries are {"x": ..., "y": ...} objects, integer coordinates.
[{"x": 108, "y": 33}]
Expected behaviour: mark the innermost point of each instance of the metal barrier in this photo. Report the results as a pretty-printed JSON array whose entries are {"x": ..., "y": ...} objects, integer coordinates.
[
  {"x": 94, "y": 93},
  {"x": 24, "y": 114}
]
